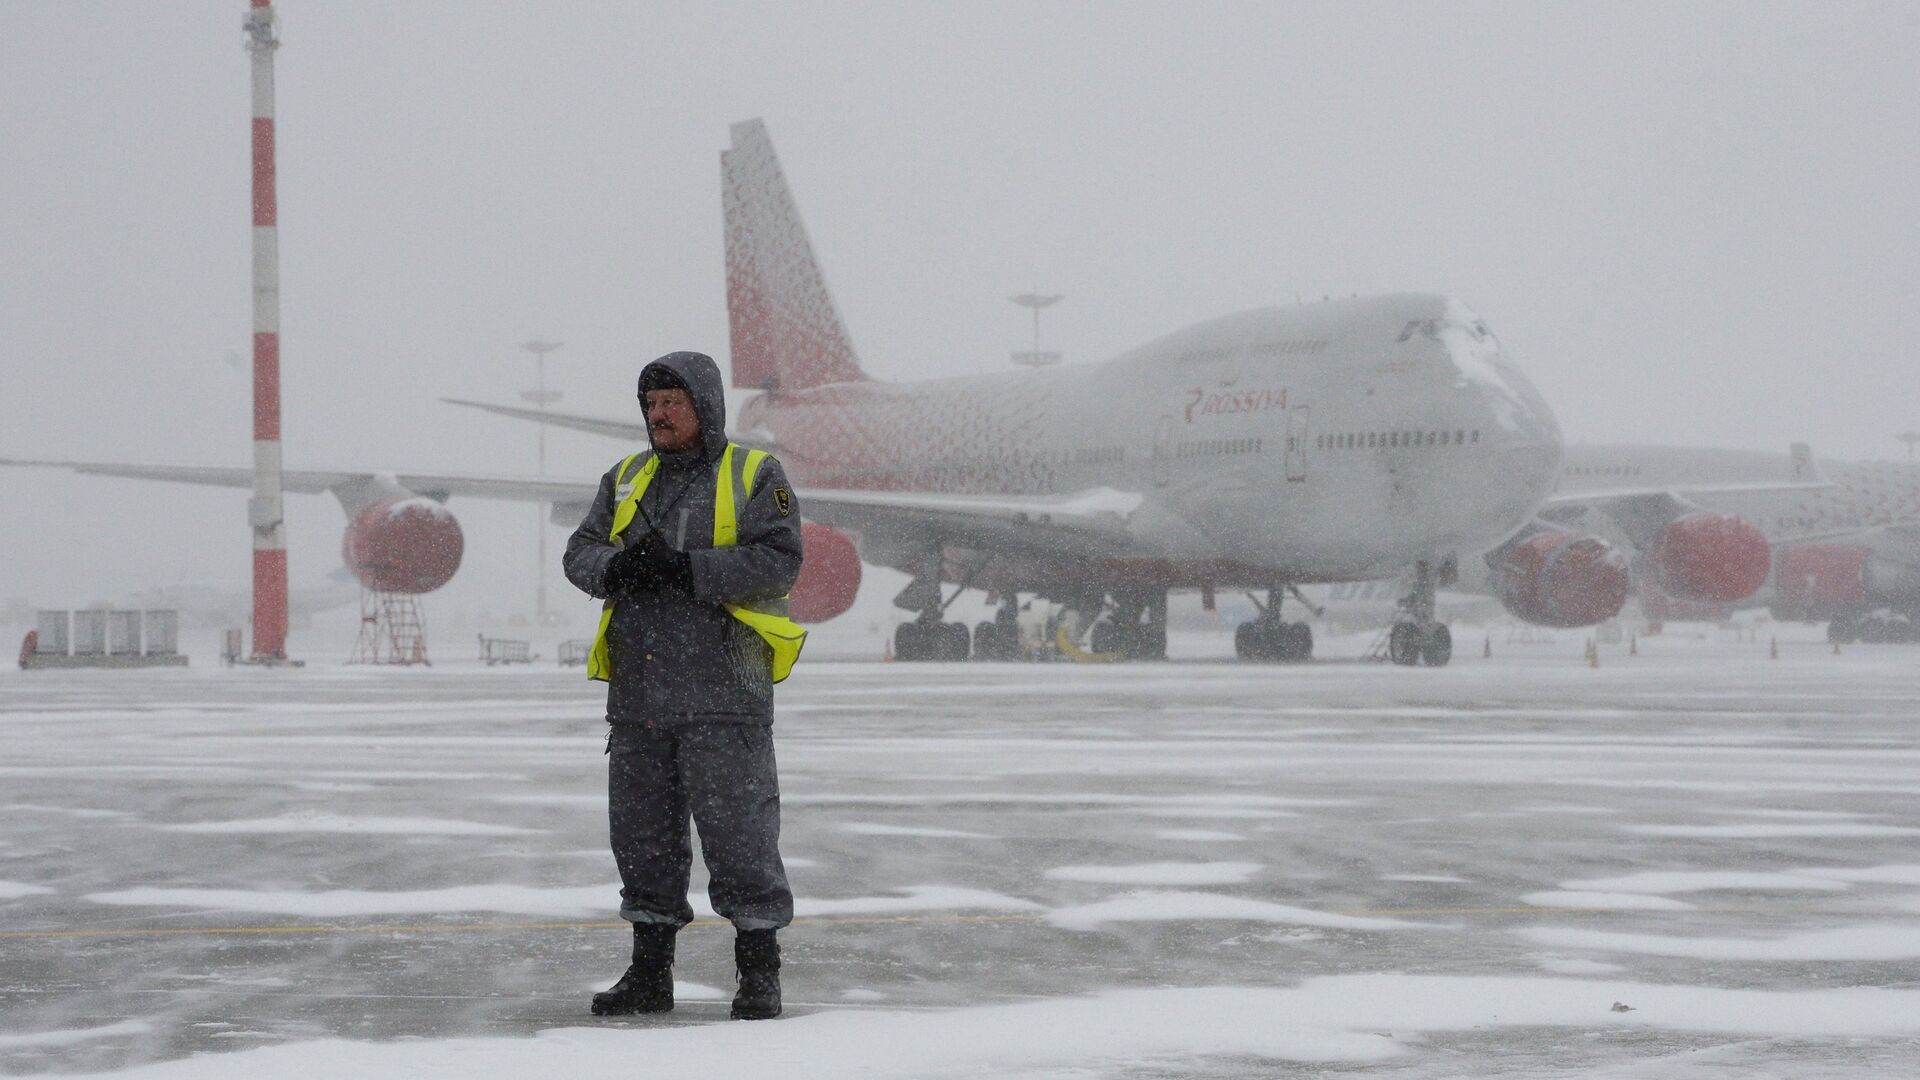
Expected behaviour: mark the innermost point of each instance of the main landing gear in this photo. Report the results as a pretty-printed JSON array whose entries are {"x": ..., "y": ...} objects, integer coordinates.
[
  {"x": 929, "y": 637},
  {"x": 999, "y": 638},
  {"x": 1090, "y": 627},
  {"x": 922, "y": 639},
  {"x": 1270, "y": 638},
  {"x": 1128, "y": 626},
  {"x": 1417, "y": 637}
]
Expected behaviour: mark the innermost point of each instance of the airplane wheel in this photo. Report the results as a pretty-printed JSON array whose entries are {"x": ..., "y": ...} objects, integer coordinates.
[
  {"x": 1260, "y": 641},
  {"x": 907, "y": 641},
  {"x": 954, "y": 641},
  {"x": 1403, "y": 644},
  {"x": 1297, "y": 643},
  {"x": 989, "y": 643},
  {"x": 1107, "y": 636},
  {"x": 1437, "y": 649},
  {"x": 1151, "y": 644},
  {"x": 1008, "y": 636}
]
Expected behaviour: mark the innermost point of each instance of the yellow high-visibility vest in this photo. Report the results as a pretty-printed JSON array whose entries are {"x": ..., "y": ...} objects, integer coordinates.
[{"x": 767, "y": 618}]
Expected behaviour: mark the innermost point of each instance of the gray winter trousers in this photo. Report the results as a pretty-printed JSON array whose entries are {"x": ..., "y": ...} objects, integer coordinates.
[{"x": 723, "y": 775}]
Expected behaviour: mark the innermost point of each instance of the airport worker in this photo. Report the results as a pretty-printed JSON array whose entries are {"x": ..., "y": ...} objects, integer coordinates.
[{"x": 693, "y": 545}]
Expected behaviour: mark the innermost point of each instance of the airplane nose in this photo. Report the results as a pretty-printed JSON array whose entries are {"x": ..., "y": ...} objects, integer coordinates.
[{"x": 1519, "y": 425}]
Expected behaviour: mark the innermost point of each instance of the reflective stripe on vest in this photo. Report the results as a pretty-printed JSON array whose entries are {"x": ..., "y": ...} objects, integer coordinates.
[{"x": 767, "y": 618}]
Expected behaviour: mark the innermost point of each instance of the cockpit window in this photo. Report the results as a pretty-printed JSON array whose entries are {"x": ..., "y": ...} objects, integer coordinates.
[{"x": 1432, "y": 328}]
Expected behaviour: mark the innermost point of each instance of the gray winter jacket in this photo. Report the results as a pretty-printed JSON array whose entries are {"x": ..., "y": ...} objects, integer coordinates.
[{"x": 680, "y": 659}]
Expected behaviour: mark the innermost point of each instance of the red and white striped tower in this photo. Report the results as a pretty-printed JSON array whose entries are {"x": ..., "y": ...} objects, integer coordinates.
[{"x": 265, "y": 512}]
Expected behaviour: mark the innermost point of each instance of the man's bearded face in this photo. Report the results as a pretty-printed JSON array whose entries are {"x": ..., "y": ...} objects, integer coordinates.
[{"x": 671, "y": 420}]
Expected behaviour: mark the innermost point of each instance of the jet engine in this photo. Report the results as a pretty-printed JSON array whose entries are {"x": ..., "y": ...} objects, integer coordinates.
[
  {"x": 405, "y": 545},
  {"x": 1710, "y": 558},
  {"x": 1562, "y": 580},
  {"x": 829, "y": 578}
]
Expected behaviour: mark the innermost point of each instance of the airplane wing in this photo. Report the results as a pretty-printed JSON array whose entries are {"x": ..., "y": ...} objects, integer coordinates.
[
  {"x": 630, "y": 431},
  {"x": 1640, "y": 512},
  {"x": 633, "y": 431},
  {"x": 320, "y": 482},
  {"x": 1091, "y": 522}
]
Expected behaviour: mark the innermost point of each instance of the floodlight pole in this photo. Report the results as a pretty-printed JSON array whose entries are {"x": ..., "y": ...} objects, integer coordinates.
[
  {"x": 1035, "y": 301},
  {"x": 541, "y": 398},
  {"x": 1910, "y": 438}
]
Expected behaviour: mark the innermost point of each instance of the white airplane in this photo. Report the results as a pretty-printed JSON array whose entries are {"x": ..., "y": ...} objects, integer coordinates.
[{"x": 1339, "y": 441}]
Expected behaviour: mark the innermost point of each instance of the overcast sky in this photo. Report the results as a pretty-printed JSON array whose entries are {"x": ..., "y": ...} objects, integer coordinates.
[{"x": 1691, "y": 223}]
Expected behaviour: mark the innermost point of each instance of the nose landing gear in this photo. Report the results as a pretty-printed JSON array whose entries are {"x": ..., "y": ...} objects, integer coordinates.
[{"x": 1417, "y": 637}]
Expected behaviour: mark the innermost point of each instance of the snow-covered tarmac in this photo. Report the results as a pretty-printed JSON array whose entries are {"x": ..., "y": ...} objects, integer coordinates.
[{"x": 1694, "y": 862}]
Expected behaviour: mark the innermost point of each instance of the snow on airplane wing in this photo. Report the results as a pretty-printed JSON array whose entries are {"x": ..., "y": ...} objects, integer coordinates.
[{"x": 1093, "y": 521}]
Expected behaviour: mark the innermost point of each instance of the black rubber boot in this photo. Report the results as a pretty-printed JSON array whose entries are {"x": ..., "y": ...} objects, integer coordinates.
[
  {"x": 757, "y": 957},
  {"x": 647, "y": 987}
]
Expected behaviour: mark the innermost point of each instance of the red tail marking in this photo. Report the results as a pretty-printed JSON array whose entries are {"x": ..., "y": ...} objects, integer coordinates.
[{"x": 786, "y": 331}]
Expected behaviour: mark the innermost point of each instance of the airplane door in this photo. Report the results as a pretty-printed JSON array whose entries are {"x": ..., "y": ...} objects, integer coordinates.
[
  {"x": 1297, "y": 442},
  {"x": 1162, "y": 451}
]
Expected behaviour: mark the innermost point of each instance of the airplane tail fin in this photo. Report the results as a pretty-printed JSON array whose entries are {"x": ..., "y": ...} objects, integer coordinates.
[
  {"x": 1804, "y": 469},
  {"x": 786, "y": 332}
]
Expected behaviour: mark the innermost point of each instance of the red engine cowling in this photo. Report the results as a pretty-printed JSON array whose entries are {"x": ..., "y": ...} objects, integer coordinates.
[
  {"x": 1710, "y": 558},
  {"x": 1562, "y": 579},
  {"x": 829, "y": 578},
  {"x": 1819, "y": 581},
  {"x": 410, "y": 545}
]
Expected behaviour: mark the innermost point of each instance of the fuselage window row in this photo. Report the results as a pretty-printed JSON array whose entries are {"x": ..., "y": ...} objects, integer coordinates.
[
  {"x": 1395, "y": 439},
  {"x": 1219, "y": 447}
]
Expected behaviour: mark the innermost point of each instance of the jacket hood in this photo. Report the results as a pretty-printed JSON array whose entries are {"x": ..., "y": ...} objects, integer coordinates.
[{"x": 708, "y": 390}]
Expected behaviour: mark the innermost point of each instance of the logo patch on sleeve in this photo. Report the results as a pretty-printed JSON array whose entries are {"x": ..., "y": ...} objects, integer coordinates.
[{"x": 783, "y": 500}]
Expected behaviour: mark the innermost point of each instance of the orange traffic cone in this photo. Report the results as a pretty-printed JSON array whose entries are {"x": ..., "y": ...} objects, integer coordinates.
[{"x": 1593, "y": 654}]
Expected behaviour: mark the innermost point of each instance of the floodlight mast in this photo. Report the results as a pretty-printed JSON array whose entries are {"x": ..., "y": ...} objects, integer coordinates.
[
  {"x": 1910, "y": 438},
  {"x": 541, "y": 397},
  {"x": 265, "y": 512},
  {"x": 1035, "y": 301}
]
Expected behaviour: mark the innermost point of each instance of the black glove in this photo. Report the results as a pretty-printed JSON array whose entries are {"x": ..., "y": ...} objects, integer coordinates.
[
  {"x": 667, "y": 569},
  {"x": 623, "y": 571},
  {"x": 649, "y": 564}
]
